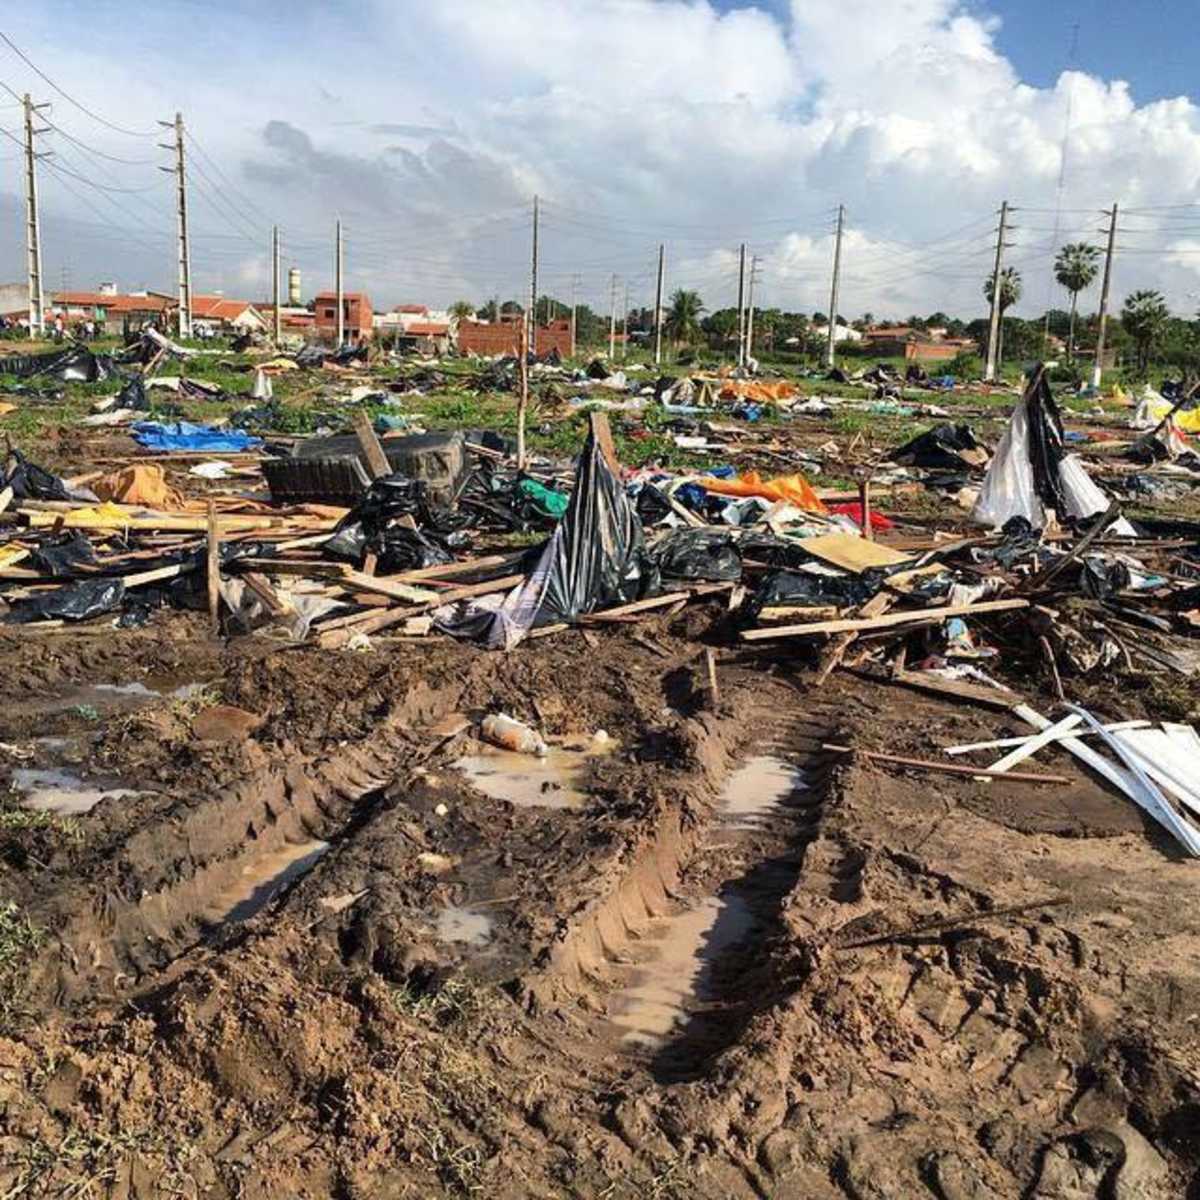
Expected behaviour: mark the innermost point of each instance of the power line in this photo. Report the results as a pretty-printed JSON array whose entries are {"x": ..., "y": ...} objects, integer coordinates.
[{"x": 66, "y": 96}]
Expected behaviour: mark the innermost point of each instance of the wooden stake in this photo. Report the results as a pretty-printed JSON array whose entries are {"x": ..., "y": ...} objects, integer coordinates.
[
  {"x": 864, "y": 502},
  {"x": 921, "y": 764},
  {"x": 214, "y": 571},
  {"x": 377, "y": 461},
  {"x": 523, "y": 401},
  {"x": 710, "y": 662}
]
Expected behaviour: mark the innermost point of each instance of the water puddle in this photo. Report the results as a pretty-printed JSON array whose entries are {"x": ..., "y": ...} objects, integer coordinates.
[
  {"x": 554, "y": 780},
  {"x": 116, "y": 697},
  {"x": 462, "y": 925},
  {"x": 262, "y": 880},
  {"x": 62, "y": 792},
  {"x": 755, "y": 788},
  {"x": 658, "y": 1001}
]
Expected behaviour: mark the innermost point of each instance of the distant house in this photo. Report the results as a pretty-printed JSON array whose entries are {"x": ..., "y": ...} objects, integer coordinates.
[
  {"x": 14, "y": 300},
  {"x": 116, "y": 313},
  {"x": 915, "y": 345},
  {"x": 216, "y": 314},
  {"x": 357, "y": 315},
  {"x": 841, "y": 333}
]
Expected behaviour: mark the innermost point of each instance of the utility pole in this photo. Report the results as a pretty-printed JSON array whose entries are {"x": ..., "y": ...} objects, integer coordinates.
[
  {"x": 658, "y": 300},
  {"x": 625, "y": 325},
  {"x": 989, "y": 372},
  {"x": 531, "y": 324},
  {"x": 275, "y": 281},
  {"x": 185, "y": 247},
  {"x": 574, "y": 286},
  {"x": 612, "y": 323},
  {"x": 1098, "y": 369},
  {"x": 750, "y": 310},
  {"x": 338, "y": 284},
  {"x": 741, "y": 350},
  {"x": 33, "y": 230},
  {"x": 833, "y": 289}
]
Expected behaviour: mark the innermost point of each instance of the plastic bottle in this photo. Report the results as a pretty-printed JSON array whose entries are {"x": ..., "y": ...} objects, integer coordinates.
[{"x": 503, "y": 730}]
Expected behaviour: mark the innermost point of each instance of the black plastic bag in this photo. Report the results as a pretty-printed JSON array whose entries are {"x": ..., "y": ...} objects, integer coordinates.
[
  {"x": 31, "y": 482},
  {"x": 74, "y": 602},
  {"x": 401, "y": 549},
  {"x": 597, "y": 369},
  {"x": 60, "y": 557},
  {"x": 597, "y": 554},
  {"x": 941, "y": 449},
  {"x": 1100, "y": 580},
  {"x": 802, "y": 589},
  {"x": 652, "y": 505},
  {"x": 133, "y": 395},
  {"x": 698, "y": 554}
]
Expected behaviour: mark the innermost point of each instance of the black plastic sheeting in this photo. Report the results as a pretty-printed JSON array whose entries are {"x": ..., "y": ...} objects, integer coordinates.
[
  {"x": 1046, "y": 450},
  {"x": 368, "y": 529},
  {"x": 937, "y": 449},
  {"x": 74, "y": 602},
  {"x": 62, "y": 557},
  {"x": 598, "y": 553},
  {"x": 706, "y": 555},
  {"x": 31, "y": 482},
  {"x": 801, "y": 589},
  {"x": 75, "y": 364}
]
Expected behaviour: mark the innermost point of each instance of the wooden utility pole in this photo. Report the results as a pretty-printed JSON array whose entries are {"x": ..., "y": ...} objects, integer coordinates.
[
  {"x": 339, "y": 284},
  {"x": 1098, "y": 368},
  {"x": 831, "y": 344},
  {"x": 658, "y": 301},
  {"x": 574, "y": 286},
  {"x": 185, "y": 246},
  {"x": 741, "y": 350},
  {"x": 989, "y": 372},
  {"x": 750, "y": 310},
  {"x": 612, "y": 322},
  {"x": 531, "y": 324},
  {"x": 278, "y": 323},
  {"x": 33, "y": 229},
  {"x": 523, "y": 402},
  {"x": 625, "y": 325}
]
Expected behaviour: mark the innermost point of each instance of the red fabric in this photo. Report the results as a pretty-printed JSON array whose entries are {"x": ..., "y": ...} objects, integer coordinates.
[{"x": 853, "y": 510}]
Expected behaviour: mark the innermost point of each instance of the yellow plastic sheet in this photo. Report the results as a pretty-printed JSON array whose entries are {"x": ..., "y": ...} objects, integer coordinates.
[
  {"x": 143, "y": 484},
  {"x": 795, "y": 489}
]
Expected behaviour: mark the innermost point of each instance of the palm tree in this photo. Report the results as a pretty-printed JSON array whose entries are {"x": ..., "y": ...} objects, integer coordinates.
[
  {"x": 1076, "y": 268},
  {"x": 1010, "y": 293},
  {"x": 683, "y": 317},
  {"x": 462, "y": 310},
  {"x": 1144, "y": 316}
]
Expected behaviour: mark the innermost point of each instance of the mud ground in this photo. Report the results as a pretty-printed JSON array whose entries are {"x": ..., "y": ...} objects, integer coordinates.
[{"x": 660, "y": 992}]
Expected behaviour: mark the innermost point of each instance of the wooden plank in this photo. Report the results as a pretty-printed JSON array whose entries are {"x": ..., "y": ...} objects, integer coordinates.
[
  {"x": 390, "y": 588},
  {"x": 851, "y": 552},
  {"x": 710, "y": 665},
  {"x": 448, "y": 570},
  {"x": 925, "y": 681},
  {"x": 262, "y": 588},
  {"x": 922, "y": 764},
  {"x": 603, "y": 435},
  {"x": 832, "y": 658},
  {"x": 213, "y": 559},
  {"x": 5, "y": 498},
  {"x": 157, "y": 574},
  {"x": 890, "y": 620},
  {"x": 377, "y": 461}
]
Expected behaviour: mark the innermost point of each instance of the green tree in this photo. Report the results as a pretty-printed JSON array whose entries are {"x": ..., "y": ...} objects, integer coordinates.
[
  {"x": 1075, "y": 268},
  {"x": 721, "y": 327},
  {"x": 1010, "y": 293},
  {"x": 462, "y": 310},
  {"x": 683, "y": 316},
  {"x": 1144, "y": 316},
  {"x": 489, "y": 312}
]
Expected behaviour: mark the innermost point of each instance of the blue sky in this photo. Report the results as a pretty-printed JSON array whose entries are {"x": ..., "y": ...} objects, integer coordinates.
[{"x": 428, "y": 127}]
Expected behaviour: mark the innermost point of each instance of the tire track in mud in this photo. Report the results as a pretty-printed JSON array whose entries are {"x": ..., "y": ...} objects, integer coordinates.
[{"x": 688, "y": 981}]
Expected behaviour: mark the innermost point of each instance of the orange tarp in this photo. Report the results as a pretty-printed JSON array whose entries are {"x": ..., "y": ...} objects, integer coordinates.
[
  {"x": 144, "y": 484},
  {"x": 794, "y": 489},
  {"x": 758, "y": 390}
]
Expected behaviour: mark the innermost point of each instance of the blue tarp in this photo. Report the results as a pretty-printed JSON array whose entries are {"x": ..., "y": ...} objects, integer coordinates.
[{"x": 183, "y": 435}]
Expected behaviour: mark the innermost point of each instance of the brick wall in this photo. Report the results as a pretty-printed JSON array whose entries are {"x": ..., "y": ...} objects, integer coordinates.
[{"x": 504, "y": 337}]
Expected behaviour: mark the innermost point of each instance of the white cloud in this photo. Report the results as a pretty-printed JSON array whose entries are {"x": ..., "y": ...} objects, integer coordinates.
[{"x": 638, "y": 121}]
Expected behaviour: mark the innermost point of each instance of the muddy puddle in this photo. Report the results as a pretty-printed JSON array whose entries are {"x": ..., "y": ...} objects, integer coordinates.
[
  {"x": 756, "y": 789},
  {"x": 62, "y": 792},
  {"x": 261, "y": 880},
  {"x": 671, "y": 1001},
  {"x": 554, "y": 780},
  {"x": 463, "y": 926},
  {"x": 112, "y": 697},
  {"x": 663, "y": 994}
]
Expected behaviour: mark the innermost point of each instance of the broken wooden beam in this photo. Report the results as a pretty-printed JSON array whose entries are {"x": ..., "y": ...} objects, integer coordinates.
[
  {"x": 924, "y": 764},
  {"x": 926, "y": 616}
]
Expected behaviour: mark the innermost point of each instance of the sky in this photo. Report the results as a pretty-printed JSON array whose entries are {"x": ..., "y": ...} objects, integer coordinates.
[{"x": 696, "y": 124}]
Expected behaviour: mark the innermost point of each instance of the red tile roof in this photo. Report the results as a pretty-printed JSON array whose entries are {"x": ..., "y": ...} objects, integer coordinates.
[
  {"x": 426, "y": 329},
  {"x": 218, "y": 308},
  {"x": 415, "y": 309}
]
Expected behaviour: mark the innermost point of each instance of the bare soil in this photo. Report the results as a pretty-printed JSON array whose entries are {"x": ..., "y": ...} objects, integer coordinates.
[{"x": 338, "y": 1036}]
